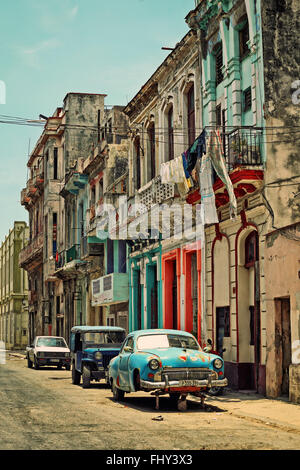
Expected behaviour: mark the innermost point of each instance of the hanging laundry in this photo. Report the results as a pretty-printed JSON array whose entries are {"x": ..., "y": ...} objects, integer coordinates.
[
  {"x": 210, "y": 215},
  {"x": 215, "y": 153},
  {"x": 197, "y": 149},
  {"x": 174, "y": 172}
]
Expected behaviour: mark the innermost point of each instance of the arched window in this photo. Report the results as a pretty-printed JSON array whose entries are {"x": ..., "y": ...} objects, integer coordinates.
[
  {"x": 137, "y": 147},
  {"x": 170, "y": 134},
  {"x": 243, "y": 37},
  {"x": 251, "y": 249},
  {"x": 151, "y": 137},
  {"x": 191, "y": 115}
]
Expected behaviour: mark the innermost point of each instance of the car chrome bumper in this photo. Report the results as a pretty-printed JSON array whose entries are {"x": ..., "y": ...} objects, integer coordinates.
[{"x": 183, "y": 383}]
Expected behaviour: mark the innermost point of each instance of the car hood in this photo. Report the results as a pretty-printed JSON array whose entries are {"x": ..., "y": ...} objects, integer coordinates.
[
  {"x": 45, "y": 349},
  {"x": 178, "y": 357}
]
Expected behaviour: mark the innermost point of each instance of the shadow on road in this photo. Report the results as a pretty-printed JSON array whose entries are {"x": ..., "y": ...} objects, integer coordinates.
[{"x": 147, "y": 404}]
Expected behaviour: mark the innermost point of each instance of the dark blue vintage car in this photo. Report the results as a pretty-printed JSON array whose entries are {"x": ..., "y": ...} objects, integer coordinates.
[
  {"x": 165, "y": 362},
  {"x": 92, "y": 347}
]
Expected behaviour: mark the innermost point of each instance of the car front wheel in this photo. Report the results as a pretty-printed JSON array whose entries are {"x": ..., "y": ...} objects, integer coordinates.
[
  {"x": 117, "y": 393},
  {"x": 68, "y": 367},
  {"x": 29, "y": 363},
  {"x": 86, "y": 377},
  {"x": 75, "y": 375},
  {"x": 36, "y": 364}
]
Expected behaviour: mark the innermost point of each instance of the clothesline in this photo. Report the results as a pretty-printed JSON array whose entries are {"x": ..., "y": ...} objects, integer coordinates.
[{"x": 210, "y": 154}]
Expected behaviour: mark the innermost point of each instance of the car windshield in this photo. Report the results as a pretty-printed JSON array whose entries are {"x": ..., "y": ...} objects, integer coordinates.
[
  {"x": 167, "y": 341},
  {"x": 51, "y": 342},
  {"x": 104, "y": 338}
]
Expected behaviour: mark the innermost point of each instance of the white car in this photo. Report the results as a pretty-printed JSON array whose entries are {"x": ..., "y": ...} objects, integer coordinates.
[{"x": 48, "y": 351}]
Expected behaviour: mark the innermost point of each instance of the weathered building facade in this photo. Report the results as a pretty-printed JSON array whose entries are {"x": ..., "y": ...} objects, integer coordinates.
[
  {"x": 240, "y": 58},
  {"x": 13, "y": 289},
  {"x": 164, "y": 268}
]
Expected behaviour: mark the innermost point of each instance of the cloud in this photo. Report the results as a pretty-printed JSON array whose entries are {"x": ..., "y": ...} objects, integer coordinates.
[
  {"x": 31, "y": 54},
  {"x": 73, "y": 12}
]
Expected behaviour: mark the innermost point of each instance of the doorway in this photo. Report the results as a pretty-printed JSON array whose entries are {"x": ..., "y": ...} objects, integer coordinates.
[{"x": 283, "y": 343}]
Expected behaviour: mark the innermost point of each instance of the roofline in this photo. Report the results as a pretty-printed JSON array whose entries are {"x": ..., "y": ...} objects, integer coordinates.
[{"x": 189, "y": 33}]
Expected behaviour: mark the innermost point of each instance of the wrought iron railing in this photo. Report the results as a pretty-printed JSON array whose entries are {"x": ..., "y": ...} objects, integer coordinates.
[{"x": 242, "y": 147}]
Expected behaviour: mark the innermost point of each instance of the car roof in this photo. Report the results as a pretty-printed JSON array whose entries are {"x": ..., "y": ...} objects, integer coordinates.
[
  {"x": 86, "y": 328},
  {"x": 159, "y": 331},
  {"x": 42, "y": 336}
]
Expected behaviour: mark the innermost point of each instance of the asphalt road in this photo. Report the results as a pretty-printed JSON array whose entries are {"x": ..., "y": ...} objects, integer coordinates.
[{"x": 42, "y": 410}]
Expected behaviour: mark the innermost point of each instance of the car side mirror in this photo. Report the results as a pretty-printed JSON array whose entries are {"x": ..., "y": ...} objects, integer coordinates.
[{"x": 128, "y": 349}]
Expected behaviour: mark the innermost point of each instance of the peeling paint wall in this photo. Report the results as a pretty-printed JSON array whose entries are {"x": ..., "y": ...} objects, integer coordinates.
[{"x": 280, "y": 25}]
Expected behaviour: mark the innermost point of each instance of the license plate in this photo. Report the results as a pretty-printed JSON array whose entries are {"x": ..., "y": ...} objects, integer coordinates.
[
  {"x": 187, "y": 383},
  {"x": 54, "y": 360}
]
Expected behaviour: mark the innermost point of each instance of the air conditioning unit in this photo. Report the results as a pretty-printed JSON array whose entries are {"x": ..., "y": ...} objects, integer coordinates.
[{"x": 110, "y": 289}]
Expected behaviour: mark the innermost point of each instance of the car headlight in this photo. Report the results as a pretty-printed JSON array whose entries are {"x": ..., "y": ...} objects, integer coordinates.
[
  {"x": 67, "y": 354},
  {"x": 154, "y": 364},
  {"x": 41, "y": 354},
  {"x": 218, "y": 363},
  {"x": 98, "y": 356}
]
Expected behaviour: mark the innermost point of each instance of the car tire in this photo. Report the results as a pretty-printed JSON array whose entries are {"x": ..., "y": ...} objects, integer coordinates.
[
  {"x": 35, "y": 363},
  {"x": 75, "y": 375},
  {"x": 59, "y": 367},
  {"x": 68, "y": 367},
  {"x": 29, "y": 363},
  {"x": 137, "y": 380},
  {"x": 117, "y": 393},
  {"x": 86, "y": 377}
]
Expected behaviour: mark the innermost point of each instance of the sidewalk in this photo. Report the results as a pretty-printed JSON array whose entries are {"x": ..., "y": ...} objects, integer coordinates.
[{"x": 278, "y": 413}]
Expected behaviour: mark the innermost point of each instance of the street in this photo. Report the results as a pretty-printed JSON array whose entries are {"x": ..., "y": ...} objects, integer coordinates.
[{"x": 42, "y": 410}]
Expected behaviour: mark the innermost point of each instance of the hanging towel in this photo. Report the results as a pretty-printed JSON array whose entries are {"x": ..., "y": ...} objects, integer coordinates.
[{"x": 215, "y": 153}]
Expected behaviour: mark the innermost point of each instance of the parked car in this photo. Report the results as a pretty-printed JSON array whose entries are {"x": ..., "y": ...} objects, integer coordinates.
[
  {"x": 164, "y": 361},
  {"x": 48, "y": 351},
  {"x": 92, "y": 348}
]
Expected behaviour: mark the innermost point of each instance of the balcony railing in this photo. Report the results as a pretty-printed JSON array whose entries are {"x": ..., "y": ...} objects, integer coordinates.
[
  {"x": 66, "y": 256},
  {"x": 32, "y": 250},
  {"x": 155, "y": 192},
  {"x": 242, "y": 147}
]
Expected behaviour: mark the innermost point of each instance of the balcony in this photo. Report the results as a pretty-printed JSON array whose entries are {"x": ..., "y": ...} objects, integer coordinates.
[
  {"x": 74, "y": 181},
  {"x": 243, "y": 147},
  {"x": 91, "y": 246},
  {"x": 110, "y": 289},
  {"x": 154, "y": 192},
  {"x": 33, "y": 252}
]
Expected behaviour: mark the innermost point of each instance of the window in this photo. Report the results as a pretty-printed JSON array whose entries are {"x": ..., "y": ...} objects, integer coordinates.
[
  {"x": 54, "y": 233},
  {"x": 170, "y": 134},
  {"x": 219, "y": 64},
  {"x": 247, "y": 99},
  {"x": 122, "y": 256},
  {"x": 244, "y": 38},
  {"x": 151, "y": 136},
  {"x": 191, "y": 115},
  {"x": 138, "y": 162},
  {"x": 55, "y": 163},
  {"x": 251, "y": 249},
  {"x": 110, "y": 256},
  {"x": 100, "y": 188},
  {"x": 218, "y": 115},
  {"x": 93, "y": 195}
]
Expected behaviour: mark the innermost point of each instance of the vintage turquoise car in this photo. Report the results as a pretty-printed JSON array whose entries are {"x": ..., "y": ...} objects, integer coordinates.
[{"x": 164, "y": 361}]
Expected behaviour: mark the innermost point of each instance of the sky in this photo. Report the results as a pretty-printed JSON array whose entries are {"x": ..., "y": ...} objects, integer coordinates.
[{"x": 51, "y": 48}]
